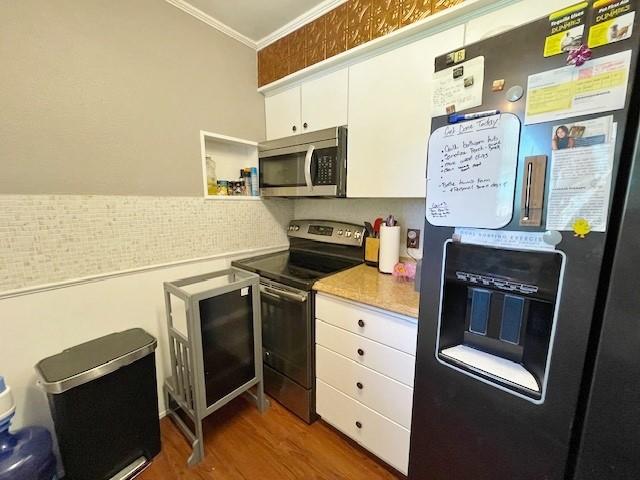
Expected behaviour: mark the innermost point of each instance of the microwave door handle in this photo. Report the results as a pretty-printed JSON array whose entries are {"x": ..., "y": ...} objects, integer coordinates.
[{"x": 307, "y": 167}]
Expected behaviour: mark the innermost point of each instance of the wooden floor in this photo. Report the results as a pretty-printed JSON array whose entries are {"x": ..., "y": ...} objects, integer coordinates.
[{"x": 240, "y": 443}]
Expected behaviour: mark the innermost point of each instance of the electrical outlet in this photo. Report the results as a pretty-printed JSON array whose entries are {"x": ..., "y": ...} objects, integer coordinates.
[{"x": 413, "y": 238}]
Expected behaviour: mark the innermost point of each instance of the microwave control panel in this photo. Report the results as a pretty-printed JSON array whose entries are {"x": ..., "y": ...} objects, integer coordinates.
[{"x": 325, "y": 170}]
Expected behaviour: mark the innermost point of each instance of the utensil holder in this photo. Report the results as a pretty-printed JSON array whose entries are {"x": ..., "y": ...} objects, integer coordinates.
[{"x": 372, "y": 251}]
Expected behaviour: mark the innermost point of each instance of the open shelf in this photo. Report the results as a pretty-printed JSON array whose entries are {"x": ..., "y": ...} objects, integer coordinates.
[{"x": 229, "y": 155}]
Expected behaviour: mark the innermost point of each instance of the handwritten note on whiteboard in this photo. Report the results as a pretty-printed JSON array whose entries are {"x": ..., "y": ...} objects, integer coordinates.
[{"x": 471, "y": 172}]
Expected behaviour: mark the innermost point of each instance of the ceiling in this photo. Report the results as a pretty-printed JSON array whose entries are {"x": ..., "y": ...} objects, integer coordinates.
[{"x": 255, "y": 19}]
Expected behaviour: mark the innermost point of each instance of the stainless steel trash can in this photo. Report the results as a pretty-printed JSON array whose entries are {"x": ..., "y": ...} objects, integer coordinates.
[{"x": 104, "y": 403}]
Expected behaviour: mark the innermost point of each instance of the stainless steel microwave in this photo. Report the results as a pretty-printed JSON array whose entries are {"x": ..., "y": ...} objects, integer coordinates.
[{"x": 308, "y": 165}]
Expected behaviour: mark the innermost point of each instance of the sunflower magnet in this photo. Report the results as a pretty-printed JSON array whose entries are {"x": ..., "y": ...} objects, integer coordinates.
[{"x": 581, "y": 227}]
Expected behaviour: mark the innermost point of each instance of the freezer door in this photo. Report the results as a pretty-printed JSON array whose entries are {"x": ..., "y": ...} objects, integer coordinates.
[{"x": 610, "y": 446}]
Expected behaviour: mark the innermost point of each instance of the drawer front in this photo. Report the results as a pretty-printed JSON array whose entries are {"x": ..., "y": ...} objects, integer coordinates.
[
  {"x": 382, "y": 394},
  {"x": 386, "y": 329},
  {"x": 385, "y": 360},
  {"x": 380, "y": 436}
]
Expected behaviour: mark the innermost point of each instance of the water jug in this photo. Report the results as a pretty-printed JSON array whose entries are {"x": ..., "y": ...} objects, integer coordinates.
[{"x": 25, "y": 454}]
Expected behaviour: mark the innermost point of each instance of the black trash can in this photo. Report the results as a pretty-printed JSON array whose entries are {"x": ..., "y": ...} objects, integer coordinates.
[{"x": 104, "y": 403}]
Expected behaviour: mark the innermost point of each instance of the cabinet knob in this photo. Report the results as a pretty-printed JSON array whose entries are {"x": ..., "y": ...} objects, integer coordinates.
[
  {"x": 360, "y": 352},
  {"x": 294, "y": 128},
  {"x": 361, "y": 323},
  {"x": 305, "y": 125},
  {"x": 359, "y": 385},
  {"x": 358, "y": 424}
]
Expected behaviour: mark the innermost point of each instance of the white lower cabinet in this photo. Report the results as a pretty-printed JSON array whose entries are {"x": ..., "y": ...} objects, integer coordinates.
[
  {"x": 376, "y": 356},
  {"x": 382, "y": 394},
  {"x": 379, "y": 435},
  {"x": 387, "y": 328},
  {"x": 364, "y": 379}
]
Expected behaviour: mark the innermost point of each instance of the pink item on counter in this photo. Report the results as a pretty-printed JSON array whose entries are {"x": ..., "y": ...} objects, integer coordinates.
[{"x": 405, "y": 271}]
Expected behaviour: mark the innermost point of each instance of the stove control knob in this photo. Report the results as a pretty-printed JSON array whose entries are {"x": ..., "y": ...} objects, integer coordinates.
[
  {"x": 357, "y": 235},
  {"x": 347, "y": 234},
  {"x": 340, "y": 233},
  {"x": 296, "y": 228}
]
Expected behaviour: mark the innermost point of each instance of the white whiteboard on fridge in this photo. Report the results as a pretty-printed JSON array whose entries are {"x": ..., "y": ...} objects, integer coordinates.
[{"x": 471, "y": 172}]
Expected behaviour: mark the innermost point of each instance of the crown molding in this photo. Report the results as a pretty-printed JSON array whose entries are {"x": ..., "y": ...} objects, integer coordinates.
[
  {"x": 310, "y": 15},
  {"x": 212, "y": 22}
]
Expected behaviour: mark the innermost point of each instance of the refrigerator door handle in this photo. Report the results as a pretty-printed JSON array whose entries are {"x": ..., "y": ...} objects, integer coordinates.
[{"x": 527, "y": 200}]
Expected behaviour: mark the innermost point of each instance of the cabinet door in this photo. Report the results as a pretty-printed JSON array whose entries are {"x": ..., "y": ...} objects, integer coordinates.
[
  {"x": 324, "y": 101},
  {"x": 510, "y": 17},
  {"x": 282, "y": 112},
  {"x": 390, "y": 118}
]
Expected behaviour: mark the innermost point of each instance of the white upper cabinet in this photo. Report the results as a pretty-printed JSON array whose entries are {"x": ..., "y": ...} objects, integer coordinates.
[
  {"x": 324, "y": 101},
  {"x": 510, "y": 17},
  {"x": 316, "y": 104},
  {"x": 390, "y": 118},
  {"x": 283, "y": 113}
]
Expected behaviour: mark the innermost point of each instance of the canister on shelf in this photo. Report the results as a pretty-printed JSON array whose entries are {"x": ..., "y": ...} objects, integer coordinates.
[
  {"x": 223, "y": 187},
  {"x": 212, "y": 187}
]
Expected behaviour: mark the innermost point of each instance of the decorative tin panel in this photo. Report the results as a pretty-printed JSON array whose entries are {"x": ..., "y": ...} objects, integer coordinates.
[
  {"x": 336, "y": 30},
  {"x": 439, "y": 5},
  {"x": 351, "y": 24},
  {"x": 280, "y": 57},
  {"x": 386, "y": 17},
  {"x": 360, "y": 18},
  {"x": 316, "y": 40},
  {"x": 263, "y": 67},
  {"x": 266, "y": 65},
  {"x": 414, "y": 10},
  {"x": 297, "y": 50}
]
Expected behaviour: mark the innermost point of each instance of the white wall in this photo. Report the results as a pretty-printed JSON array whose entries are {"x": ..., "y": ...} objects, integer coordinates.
[{"x": 35, "y": 326}]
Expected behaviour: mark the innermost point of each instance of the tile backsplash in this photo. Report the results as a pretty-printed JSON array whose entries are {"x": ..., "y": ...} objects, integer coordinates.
[
  {"x": 50, "y": 238},
  {"x": 409, "y": 212}
]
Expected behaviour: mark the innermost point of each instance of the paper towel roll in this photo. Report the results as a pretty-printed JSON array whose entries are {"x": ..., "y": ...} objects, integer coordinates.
[{"x": 389, "y": 248}]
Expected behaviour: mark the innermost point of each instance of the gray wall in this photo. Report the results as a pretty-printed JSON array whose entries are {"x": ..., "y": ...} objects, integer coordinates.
[{"x": 108, "y": 96}]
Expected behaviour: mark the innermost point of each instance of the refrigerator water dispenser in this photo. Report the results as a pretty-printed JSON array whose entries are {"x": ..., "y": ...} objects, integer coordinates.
[{"x": 497, "y": 315}]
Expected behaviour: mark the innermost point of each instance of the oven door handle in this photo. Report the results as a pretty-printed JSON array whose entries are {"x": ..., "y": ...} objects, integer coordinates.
[
  {"x": 280, "y": 294},
  {"x": 307, "y": 167}
]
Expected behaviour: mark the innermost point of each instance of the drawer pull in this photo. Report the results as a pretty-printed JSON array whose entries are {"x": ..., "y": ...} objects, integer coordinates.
[
  {"x": 359, "y": 385},
  {"x": 358, "y": 424},
  {"x": 360, "y": 352},
  {"x": 361, "y": 323}
]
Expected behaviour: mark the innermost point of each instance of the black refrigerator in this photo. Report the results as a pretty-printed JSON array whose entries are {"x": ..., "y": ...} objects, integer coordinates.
[{"x": 528, "y": 356}]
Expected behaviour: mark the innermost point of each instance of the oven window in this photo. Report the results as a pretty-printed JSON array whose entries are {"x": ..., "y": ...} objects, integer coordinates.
[
  {"x": 286, "y": 336},
  {"x": 283, "y": 171}
]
